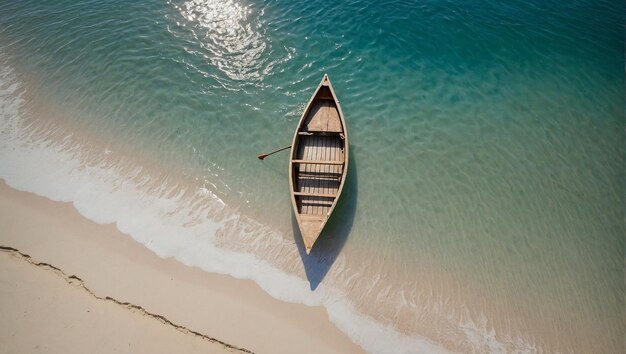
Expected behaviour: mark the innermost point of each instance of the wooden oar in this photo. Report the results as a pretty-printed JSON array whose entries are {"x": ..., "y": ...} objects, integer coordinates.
[{"x": 262, "y": 156}]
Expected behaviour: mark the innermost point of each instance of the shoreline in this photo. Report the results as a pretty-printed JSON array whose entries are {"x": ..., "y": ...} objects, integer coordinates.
[
  {"x": 113, "y": 265},
  {"x": 151, "y": 206}
]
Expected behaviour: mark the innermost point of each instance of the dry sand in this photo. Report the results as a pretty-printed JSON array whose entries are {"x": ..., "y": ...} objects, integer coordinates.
[
  {"x": 137, "y": 302},
  {"x": 44, "y": 311}
]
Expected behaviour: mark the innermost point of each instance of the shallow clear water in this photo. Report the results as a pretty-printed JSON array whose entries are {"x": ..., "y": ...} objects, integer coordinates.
[{"x": 484, "y": 206}]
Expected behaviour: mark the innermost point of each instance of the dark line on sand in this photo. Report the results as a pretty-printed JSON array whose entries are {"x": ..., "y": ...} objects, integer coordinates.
[{"x": 75, "y": 280}]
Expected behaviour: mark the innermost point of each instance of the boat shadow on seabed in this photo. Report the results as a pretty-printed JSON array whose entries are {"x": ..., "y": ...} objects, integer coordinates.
[{"x": 335, "y": 233}]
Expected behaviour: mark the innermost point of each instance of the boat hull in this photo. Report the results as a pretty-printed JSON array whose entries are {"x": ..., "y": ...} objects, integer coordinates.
[{"x": 318, "y": 162}]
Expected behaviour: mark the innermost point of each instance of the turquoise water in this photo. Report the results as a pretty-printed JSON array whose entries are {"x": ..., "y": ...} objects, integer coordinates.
[{"x": 484, "y": 209}]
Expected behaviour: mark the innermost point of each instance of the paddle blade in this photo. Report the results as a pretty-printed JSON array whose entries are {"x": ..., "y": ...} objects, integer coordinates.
[{"x": 261, "y": 157}]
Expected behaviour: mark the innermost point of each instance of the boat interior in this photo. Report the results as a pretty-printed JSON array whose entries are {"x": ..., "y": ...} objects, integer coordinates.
[{"x": 319, "y": 158}]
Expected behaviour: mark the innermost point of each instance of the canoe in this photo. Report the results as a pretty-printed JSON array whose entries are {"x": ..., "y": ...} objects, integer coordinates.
[{"x": 318, "y": 162}]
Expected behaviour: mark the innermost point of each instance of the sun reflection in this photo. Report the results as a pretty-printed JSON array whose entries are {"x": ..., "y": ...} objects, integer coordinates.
[{"x": 232, "y": 35}]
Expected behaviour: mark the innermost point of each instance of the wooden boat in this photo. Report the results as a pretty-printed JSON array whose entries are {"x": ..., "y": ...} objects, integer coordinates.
[{"x": 318, "y": 162}]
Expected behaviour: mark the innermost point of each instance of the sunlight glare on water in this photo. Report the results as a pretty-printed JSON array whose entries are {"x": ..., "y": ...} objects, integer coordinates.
[{"x": 231, "y": 36}]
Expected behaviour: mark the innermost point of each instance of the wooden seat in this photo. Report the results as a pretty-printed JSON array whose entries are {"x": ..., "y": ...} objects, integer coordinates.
[
  {"x": 309, "y": 194},
  {"x": 317, "y": 162},
  {"x": 319, "y": 132},
  {"x": 332, "y": 176}
]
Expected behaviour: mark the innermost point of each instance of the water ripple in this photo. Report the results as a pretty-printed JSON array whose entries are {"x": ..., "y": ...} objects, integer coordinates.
[{"x": 232, "y": 37}]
